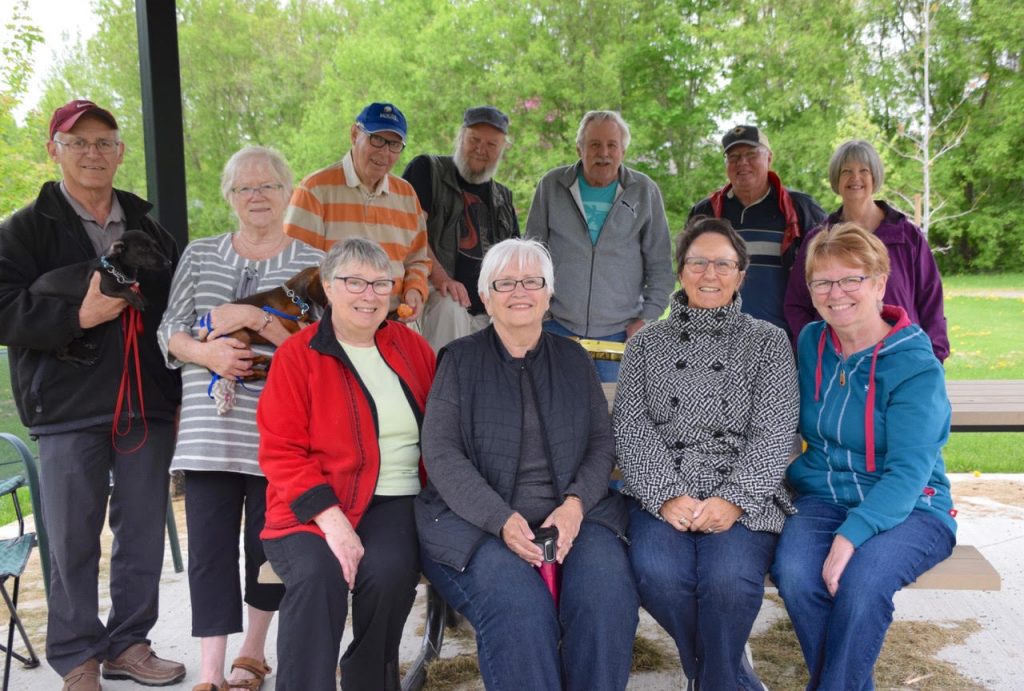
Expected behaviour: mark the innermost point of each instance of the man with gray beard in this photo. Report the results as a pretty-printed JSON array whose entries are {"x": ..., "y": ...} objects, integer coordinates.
[{"x": 467, "y": 212}]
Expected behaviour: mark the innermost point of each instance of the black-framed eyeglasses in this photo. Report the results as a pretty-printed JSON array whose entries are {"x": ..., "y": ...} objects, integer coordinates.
[
  {"x": 354, "y": 284},
  {"x": 379, "y": 142},
  {"x": 261, "y": 189},
  {"x": 699, "y": 265},
  {"x": 848, "y": 284},
  {"x": 81, "y": 146},
  {"x": 507, "y": 285}
]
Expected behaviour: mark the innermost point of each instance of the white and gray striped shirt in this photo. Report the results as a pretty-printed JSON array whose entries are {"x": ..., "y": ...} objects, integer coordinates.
[{"x": 211, "y": 273}]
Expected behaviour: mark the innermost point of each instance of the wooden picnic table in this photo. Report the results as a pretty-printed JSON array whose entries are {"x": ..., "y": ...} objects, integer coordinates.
[{"x": 979, "y": 405}]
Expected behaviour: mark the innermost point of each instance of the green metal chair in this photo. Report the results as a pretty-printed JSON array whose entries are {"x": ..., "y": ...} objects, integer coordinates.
[
  {"x": 14, "y": 555},
  {"x": 31, "y": 466}
]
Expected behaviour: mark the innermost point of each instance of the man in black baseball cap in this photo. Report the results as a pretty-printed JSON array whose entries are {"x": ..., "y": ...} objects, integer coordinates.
[
  {"x": 467, "y": 212},
  {"x": 771, "y": 219}
]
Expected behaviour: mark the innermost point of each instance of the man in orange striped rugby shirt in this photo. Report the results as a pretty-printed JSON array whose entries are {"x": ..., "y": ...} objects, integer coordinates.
[{"x": 359, "y": 196}]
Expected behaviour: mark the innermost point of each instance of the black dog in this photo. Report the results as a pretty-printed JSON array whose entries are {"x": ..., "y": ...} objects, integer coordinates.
[{"x": 118, "y": 268}]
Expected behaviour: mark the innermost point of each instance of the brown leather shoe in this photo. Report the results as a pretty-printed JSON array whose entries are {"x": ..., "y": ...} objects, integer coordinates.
[
  {"x": 140, "y": 664},
  {"x": 85, "y": 677}
]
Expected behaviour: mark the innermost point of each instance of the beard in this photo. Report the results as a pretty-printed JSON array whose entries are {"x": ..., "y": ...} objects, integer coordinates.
[{"x": 468, "y": 175}]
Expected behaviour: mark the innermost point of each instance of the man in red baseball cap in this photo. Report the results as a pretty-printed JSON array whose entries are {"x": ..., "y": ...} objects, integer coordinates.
[{"x": 72, "y": 407}]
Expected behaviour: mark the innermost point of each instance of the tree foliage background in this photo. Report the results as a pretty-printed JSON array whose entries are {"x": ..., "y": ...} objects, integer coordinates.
[{"x": 294, "y": 73}]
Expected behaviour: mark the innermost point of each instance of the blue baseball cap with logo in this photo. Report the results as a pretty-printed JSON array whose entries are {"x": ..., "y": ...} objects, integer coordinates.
[{"x": 382, "y": 117}]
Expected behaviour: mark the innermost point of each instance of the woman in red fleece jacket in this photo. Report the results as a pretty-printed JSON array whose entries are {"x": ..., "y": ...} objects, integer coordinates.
[{"x": 339, "y": 424}]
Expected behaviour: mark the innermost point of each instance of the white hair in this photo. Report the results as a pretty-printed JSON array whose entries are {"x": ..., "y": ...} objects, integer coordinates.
[
  {"x": 254, "y": 154},
  {"x": 600, "y": 116},
  {"x": 518, "y": 253}
]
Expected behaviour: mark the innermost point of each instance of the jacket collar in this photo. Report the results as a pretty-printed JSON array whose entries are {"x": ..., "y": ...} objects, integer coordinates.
[
  {"x": 568, "y": 177},
  {"x": 51, "y": 203}
]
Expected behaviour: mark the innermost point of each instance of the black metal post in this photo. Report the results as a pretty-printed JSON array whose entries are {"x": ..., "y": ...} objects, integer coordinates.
[{"x": 161, "y": 114}]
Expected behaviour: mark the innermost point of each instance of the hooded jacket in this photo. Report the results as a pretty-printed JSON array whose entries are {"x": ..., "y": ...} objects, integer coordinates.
[
  {"x": 875, "y": 423},
  {"x": 53, "y": 395},
  {"x": 914, "y": 281}
]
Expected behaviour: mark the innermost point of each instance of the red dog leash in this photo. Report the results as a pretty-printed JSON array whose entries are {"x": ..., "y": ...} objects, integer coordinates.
[{"x": 131, "y": 325}]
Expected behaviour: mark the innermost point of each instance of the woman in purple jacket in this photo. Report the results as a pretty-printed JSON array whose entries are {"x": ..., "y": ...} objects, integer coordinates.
[{"x": 856, "y": 173}]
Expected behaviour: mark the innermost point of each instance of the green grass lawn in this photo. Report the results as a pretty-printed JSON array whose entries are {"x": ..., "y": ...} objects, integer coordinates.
[{"x": 1012, "y": 281}]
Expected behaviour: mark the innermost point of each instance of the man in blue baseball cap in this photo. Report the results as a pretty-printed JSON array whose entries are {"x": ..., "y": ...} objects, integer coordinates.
[
  {"x": 358, "y": 196},
  {"x": 467, "y": 212}
]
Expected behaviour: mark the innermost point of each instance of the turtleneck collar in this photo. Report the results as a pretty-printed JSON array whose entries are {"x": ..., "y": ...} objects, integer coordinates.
[{"x": 699, "y": 320}]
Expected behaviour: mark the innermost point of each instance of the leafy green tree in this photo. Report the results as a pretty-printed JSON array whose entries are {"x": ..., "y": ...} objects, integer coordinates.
[{"x": 22, "y": 156}]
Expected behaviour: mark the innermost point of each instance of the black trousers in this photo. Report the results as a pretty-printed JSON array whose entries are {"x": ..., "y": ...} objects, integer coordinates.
[
  {"x": 74, "y": 478},
  {"x": 214, "y": 506},
  {"x": 315, "y": 604}
]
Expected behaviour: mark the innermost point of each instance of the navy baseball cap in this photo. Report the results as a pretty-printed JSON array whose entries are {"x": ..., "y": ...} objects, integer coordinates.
[
  {"x": 486, "y": 115},
  {"x": 382, "y": 117},
  {"x": 745, "y": 134}
]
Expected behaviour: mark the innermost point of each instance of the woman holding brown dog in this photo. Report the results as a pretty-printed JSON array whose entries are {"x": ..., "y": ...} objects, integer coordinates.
[{"x": 217, "y": 439}]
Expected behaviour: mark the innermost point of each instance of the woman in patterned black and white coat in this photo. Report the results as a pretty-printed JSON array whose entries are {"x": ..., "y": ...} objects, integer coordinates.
[{"x": 704, "y": 417}]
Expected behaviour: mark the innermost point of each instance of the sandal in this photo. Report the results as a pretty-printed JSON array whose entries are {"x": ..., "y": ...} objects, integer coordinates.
[
  {"x": 259, "y": 668},
  {"x": 208, "y": 686}
]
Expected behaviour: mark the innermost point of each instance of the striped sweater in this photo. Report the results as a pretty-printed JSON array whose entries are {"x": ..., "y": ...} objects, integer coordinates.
[
  {"x": 332, "y": 204},
  {"x": 210, "y": 273}
]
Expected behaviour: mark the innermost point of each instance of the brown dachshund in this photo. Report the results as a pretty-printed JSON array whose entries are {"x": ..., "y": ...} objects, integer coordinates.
[{"x": 295, "y": 300}]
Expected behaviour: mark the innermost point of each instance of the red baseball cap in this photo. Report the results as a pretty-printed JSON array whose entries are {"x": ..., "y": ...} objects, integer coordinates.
[{"x": 65, "y": 117}]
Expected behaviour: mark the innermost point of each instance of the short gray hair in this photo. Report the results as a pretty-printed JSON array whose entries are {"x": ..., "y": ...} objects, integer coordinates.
[
  {"x": 254, "y": 154},
  {"x": 600, "y": 116},
  {"x": 354, "y": 250},
  {"x": 520, "y": 253},
  {"x": 859, "y": 151}
]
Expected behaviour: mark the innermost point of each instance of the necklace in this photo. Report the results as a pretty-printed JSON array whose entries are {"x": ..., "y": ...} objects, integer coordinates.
[{"x": 255, "y": 250}]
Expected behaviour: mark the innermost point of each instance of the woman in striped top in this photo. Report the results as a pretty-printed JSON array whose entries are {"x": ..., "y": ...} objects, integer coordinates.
[{"x": 216, "y": 448}]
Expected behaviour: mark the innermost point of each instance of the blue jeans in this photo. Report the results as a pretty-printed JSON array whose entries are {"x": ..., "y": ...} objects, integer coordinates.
[
  {"x": 842, "y": 636},
  {"x": 704, "y": 590},
  {"x": 607, "y": 370},
  {"x": 518, "y": 629}
]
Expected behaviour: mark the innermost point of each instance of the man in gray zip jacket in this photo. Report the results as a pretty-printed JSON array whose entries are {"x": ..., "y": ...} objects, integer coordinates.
[{"x": 606, "y": 228}]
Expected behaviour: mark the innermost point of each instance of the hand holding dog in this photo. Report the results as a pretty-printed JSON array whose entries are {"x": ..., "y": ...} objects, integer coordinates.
[
  {"x": 230, "y": 317},
  {"x": 228, "y": 357},
  {"x": 98, "y": 308}
]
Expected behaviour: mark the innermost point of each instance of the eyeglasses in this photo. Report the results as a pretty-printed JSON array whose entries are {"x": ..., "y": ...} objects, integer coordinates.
[
  {"x": 260, "y": 189},
  {"x": 699, "y": 265},
  {"x": 379, "y": 142},
  {"x": 354, "y": 284},
  {"x": 507, "y": 285},
  {"x": 748, "y": 156},
  {"x": 849, "y": 284},
  {"x": 81, "y": 146}
]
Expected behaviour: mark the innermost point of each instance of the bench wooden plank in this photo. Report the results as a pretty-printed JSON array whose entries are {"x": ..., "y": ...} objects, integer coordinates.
[
  {"x": 965, "y": 569},
  {"x": 978, "y": 405}
]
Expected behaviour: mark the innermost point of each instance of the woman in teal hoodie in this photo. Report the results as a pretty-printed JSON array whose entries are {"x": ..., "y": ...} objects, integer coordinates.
[{"x": 874, "y": 509}]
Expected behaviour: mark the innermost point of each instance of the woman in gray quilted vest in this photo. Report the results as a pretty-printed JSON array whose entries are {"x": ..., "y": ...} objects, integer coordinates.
[
  {"x": 517, "y": 439},
  {"x": 704, "y": 417}
]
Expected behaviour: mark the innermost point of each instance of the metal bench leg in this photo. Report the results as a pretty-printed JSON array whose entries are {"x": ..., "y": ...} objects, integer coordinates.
[
  {"x": 172, "y": 536},
  {"x": 433, "y": 639}
]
